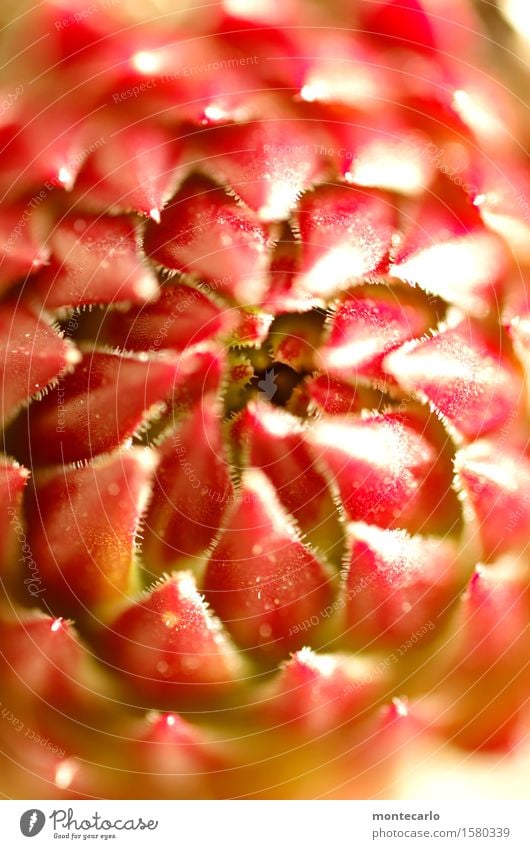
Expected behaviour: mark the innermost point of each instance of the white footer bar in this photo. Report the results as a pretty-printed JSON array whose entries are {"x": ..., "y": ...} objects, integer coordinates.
[{"x": 266, "y": 825}]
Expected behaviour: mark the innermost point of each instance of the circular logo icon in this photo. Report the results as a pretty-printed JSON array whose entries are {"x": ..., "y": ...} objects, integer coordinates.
[{"x": 32, "y": 822}]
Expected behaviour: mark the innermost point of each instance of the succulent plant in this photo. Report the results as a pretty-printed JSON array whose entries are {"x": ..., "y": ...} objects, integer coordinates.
[{"x": 265, "y": 489}]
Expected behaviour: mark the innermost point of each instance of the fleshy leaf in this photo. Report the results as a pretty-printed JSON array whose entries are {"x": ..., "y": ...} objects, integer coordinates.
[
  {"x": 381, "y": 465},
  {"x": 82, "y": 528},
  {"x": 251, "y": 328},
  {"x": 267, "y": 163},
  {"x": 367, "y": 325},
  {"x": 294, "y": 340},
  {"x": 464, "y": 271},
  {"x": 389, "y": 156},
  {"x": 43, "y": 659},
  {"x": 13, "y": 479},
  {"x": 191, "y": 491},
  {"x": 94, "y": 261},
  {"x": 284, "y": 295},
  {"x": 397, "y": 585},
  {"x": 486, "y": 687},
  {"x": 205, "y": 232},
  {"x": 316, "y": 693},
  {"x": 496, "y": 483},
  {"x": 345, "y": 72},
  {"x": 200, "y": 371},
  {"x": 494, "y": 618},
  {"x": 32, "y": 355},
  {"x": 199, "y": 77},
  {"x": 180, "y": 317},
  {"x": 346, "y": 235},
  {"x": 448, "y": 252},
  {"x": 133, "y": 170},
  {"x": 464, "y": 374},
  {"x": 397, "y": 24},
  {"x": 261, "y": 579},
  {"x": 177, "y": 755},
  {"x": 503, "y": 205},
  {"x": 321, "y": 393},
  {"x": 170, "y": 649},
  {"x": 99, "y": 406},
  {"x": 275, "y": 442},
  {"x": 46, "y": 149},
  {"x": 20, "y": 251}
]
